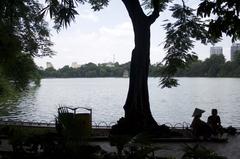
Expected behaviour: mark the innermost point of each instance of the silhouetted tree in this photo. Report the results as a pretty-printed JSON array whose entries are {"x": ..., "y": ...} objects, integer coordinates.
[
  {"x": 23, "y": 35},
  {"x": 179, "y": 42}
]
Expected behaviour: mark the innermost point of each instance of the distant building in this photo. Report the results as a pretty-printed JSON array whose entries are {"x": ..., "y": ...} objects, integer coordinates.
[
  {"x": 125, "y": 74},
  {"x": 109, "y": 64},
  {"x": 216, "y": 50},
  {"x": 75, "y": 65},
  {"x": 234, "y": 48},
  {"x": 49, "y": 65}
]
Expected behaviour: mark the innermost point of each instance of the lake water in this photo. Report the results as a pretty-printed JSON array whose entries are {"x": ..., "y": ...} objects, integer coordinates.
[{"x": 106, "y": 97}]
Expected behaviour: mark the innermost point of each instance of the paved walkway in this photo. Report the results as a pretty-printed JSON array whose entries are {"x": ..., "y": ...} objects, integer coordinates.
[{"x": 230, "y": 149}]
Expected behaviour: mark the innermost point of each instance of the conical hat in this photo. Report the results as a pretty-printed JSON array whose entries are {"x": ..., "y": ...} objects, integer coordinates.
[{"x": 198, "y": 111}]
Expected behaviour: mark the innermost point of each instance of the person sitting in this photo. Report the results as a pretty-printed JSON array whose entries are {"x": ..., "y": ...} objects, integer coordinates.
[
  {"x": 199, "y": 127},
  {"x": 214, "y": 122}
]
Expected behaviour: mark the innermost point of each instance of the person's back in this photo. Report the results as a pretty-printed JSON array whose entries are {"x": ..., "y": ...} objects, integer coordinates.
[{"x": 214, "y": 122}]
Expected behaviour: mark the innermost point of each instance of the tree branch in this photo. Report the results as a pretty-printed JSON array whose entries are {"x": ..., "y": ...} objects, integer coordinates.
[
  {"x": 134, "y": 9},
  {"x": 152, "y": 18},
  {"x": 155, "y": 13}
]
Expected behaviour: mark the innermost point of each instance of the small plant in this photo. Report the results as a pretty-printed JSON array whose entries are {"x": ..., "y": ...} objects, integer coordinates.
[
  {"x": 137, "y": 147},
  {"x": 200, "y": 152}
]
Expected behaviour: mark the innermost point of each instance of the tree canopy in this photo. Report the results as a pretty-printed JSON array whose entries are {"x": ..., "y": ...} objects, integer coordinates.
[
  {"x": 24, "y": 34},
  {"x": 22, "y": 29}
]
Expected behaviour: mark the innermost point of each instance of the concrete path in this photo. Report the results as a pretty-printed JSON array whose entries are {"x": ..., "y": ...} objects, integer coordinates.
[{"x": 230, "y": 149}]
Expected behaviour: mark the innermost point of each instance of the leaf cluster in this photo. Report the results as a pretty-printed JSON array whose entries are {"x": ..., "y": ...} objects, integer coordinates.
[
  {"x": 179, "y": 41},
  {"x": 22, "y": 29},
  {"x": 227, "y": 17},
  {"x": 63, "y": 12},
  {"x": 222, "y": 16}
]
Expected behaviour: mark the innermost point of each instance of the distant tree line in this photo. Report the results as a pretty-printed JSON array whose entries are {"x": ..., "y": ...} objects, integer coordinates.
[
  {"x": 215, "y": 66},
  {"x": 87, "y": 70},
  {"x": 92, "y": 70}
]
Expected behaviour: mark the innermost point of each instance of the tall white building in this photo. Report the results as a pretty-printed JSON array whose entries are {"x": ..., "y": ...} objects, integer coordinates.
[
  {"x": 49, "y": 65},
  {"x": 216, "y": 50},
  {"x": 234, "y": 48},
  {"x": 75, "y": 65}
]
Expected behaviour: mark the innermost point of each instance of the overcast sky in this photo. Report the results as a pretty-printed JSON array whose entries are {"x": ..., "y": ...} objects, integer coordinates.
[{"x": 99, "y": 36}]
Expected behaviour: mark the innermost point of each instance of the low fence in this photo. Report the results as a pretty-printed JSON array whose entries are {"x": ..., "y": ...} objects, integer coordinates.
[
  {"x": 95, "y": 125},
  {"x": 99, "y": 124},
  {"x": 107, "y": 125},
  {"x": 27, "y": 123}
]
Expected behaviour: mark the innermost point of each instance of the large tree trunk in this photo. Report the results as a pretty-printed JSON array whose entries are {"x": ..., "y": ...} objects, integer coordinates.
[
  {"x": 138, "y": 115},
  {"x": 137, "y": 107}
]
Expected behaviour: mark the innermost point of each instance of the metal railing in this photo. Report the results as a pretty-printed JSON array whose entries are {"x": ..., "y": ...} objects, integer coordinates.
[{"x": 95, "y": 124}]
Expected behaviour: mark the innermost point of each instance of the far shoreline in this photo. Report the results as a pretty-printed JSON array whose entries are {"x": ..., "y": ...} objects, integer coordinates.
[{"x": 128, "y": 77}]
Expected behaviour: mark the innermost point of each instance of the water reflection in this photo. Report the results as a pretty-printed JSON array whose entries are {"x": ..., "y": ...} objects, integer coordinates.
[{"x": 22, "y": 104}]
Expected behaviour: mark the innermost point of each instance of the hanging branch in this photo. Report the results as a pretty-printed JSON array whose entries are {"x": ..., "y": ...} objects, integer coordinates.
[{"x": 179, "y": 42}]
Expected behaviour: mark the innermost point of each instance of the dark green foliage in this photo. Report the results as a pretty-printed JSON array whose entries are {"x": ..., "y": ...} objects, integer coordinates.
[
  {"x": 98, "y": 4},
  {"x": 49, "y": 72},
  {"x": 50, "y": 146},
  {"x": 88, "y": 70},
  {"x": 18, "y": 73},
  {"x": 180, "y": 34},
  {"x": 63, "y": 12},
  {"x": 6, "y": 88},
  {"x": 179, "y": 42},
  {"x": 155, "y": 70},
  {"x": 22, "y": 29},
  {"x": 227, "y": 17},
  {"x": 199, "y": 152},
  {"x": 236, "y": 58},
  {"x": 211, "y": 67},
  {"x": 46, "y": 144},
  {"x": 22, "y": 70},
  {"x": 215, "y": 66},
  {"x": 23, "y": 35}
]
